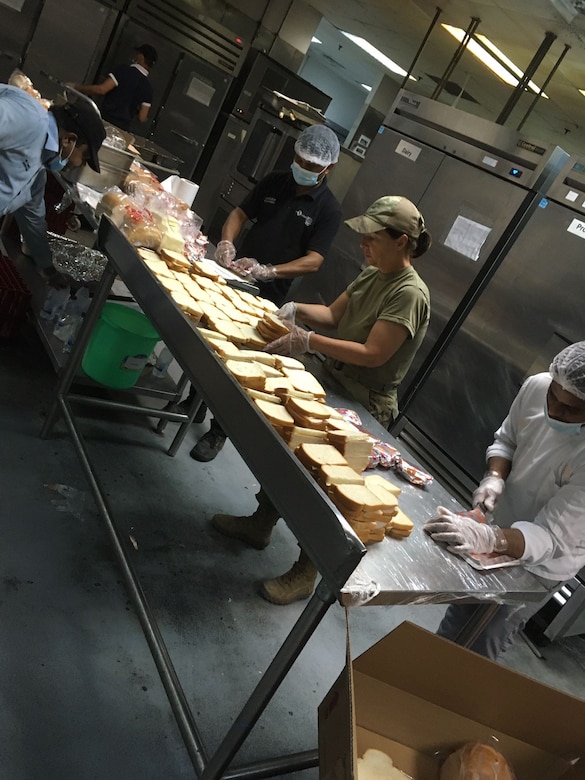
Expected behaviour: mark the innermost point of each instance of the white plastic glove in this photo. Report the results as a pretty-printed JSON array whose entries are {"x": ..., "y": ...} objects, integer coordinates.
[
  {"x": 288, "y": 312},
  {"x": 462, "y": 534},
  {"x": 247, "y": 266},
  {"x": 294, "y": 343},
  {"x": 488, "y": 491},
  {"x": 225, "y": 253}
]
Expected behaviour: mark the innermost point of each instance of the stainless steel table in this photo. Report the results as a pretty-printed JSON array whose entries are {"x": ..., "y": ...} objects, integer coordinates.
[{"x": 410, "y": 571}]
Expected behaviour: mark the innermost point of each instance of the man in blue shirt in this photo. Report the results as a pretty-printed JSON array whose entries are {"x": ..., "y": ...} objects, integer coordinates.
[
  {"x": 126, "y": 90},
  {"x": 32, "y": 141}
]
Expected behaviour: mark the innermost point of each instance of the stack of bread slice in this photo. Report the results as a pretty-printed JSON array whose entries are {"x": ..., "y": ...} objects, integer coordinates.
[
  {"x": 271, "y": 327},
  {"x": 367, "y": 514},
  {"x": 356, "y": 446},
  {"x": 400, "y": 525}
]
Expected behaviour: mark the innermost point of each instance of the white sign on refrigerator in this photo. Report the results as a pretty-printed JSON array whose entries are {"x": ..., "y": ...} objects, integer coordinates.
[
  {"x": 467, "y": 237},
  {"x": 577, "y": 227}
]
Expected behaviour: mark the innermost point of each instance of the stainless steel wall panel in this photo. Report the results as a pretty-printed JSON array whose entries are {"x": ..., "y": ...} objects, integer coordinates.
[{"x": 69, "y": 39}]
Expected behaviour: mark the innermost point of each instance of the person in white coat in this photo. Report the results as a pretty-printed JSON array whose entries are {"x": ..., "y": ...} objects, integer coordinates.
[{"x": 535, "y": 488}]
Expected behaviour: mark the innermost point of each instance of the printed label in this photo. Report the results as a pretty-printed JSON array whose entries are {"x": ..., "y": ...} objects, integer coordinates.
[
  {"x": 407, "y": 149},
  {"x": 577, "y": 227},
  {"x": 134, "y": 362}
]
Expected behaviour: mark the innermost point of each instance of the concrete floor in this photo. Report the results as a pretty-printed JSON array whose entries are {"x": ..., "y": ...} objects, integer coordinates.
[{"x": 81, "y": 697}]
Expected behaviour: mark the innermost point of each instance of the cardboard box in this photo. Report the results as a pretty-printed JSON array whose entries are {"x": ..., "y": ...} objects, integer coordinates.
[{"x": 418, "y": 697}]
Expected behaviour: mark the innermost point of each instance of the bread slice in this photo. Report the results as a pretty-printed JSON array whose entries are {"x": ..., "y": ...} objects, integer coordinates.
[
  {"x": 247, "y": 374},
  {"x": 227, "y": 350},
  {"x": 276, "y": 414},
  {"x": 338, "y": 475},
  {"x": 300, "y": 407},
  {"x": 315, "y": 455},
  {"x": 252, "y": 336},
  {"x": 306, "y": 383},
  {"x": 400, "y": 524},
  {"x": 374, "y": 481},
  {"x": 355, "y": 498},
  {"x": 297, "y": 436},
  {"x": 259, "y": 357},
  {"x": 285, "y": 361},
  {"x": 260, "y": 395},
  {"x": 211, "y": 334},
  {"x": 205, "y": 270}
]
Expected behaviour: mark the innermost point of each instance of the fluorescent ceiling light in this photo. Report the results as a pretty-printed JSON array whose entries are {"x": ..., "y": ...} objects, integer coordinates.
[
  {"x": 582, "y": 91},
  {"x": 369, "y": 89},
  {"x": 497, "y": 61},
  {"x": 315, "y": 40},
  {"x": 376, "y": 54}
]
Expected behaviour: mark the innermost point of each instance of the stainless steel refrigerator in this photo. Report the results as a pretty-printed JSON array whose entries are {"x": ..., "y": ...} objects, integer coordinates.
[{"x": 531, "y": 308}]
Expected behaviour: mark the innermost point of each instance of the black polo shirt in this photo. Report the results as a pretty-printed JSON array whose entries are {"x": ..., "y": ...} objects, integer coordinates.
[
  {"x": 122, "y": 104},
  {"x": 286, "y": 225}
]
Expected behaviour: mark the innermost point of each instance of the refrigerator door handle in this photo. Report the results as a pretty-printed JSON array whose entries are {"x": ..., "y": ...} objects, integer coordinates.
[{"x": 190, "y": 141}]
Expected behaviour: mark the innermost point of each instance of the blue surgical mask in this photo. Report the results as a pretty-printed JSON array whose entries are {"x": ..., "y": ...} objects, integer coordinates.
[
  {"x": 57, "y": 163},
  {"x": 303, "y": 177},
  {"x": 572, "y": 429}
]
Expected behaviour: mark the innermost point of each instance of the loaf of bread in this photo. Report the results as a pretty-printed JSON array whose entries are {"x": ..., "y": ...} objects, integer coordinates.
[
  {"x": 475, "y": 761},
  {"x": 376, "y": 765}
]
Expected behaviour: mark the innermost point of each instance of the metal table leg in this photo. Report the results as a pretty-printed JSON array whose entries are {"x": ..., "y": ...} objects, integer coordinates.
[
  {"x": 70, "y": 369},
  {"x": 290, "y": 650}
]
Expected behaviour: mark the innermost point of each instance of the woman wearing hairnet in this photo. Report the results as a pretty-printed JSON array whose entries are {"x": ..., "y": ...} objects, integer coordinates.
[
  {"x": 295, "y": 218},
  {"x": 535, "y": 488}
]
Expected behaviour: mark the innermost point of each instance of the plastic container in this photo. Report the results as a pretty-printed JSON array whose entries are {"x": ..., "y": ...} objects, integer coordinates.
[
  {"x": 163, "y": 361},
  {"x": 121, "y": 343}
]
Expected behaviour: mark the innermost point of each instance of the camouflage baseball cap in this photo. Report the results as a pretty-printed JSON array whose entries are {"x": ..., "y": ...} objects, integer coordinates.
[{"x": 391, "y": 211}]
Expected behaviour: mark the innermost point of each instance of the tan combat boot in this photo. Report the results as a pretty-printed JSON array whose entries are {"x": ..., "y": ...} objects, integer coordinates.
[
  {"x": 296, "y": 584},
  {"x": 254, "y": 530}
]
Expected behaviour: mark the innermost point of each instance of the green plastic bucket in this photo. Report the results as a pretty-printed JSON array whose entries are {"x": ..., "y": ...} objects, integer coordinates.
[{"x": 120, "y": 345}]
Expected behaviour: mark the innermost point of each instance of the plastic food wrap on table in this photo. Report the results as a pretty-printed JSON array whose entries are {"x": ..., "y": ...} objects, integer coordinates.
[
  {"x": 386, "y": 456},
  {"x": 77, "y": 261}
]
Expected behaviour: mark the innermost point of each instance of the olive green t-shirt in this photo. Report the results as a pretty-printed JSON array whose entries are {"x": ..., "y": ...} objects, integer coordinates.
[{"x": 400, "y": 297}]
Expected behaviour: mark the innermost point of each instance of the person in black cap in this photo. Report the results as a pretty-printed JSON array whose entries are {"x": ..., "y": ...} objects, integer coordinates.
[
  {"x": 126, "y": 90},
  {"x": 32, "y": 141}
]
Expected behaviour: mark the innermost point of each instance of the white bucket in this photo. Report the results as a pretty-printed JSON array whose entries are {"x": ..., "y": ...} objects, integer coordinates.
[{"x": 181, "y": 188}]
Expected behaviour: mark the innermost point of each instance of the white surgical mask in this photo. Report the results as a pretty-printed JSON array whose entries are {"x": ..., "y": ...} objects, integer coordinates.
[{"x": 572, "y": 429}]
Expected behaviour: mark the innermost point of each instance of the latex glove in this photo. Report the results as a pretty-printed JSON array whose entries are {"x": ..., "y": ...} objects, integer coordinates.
[
  {"x": 247, "y": 266},
  {"x": 225, "y": 253},
  {"x": 288, "y": 312},
  {"x": 488, "y": 491},
  {"x": 294, "y": 343},
  {"x": 462, "y": 534}
]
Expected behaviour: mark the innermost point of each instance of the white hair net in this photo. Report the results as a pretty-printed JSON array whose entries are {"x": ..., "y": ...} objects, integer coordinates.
[
  {"x": 318, "y": 144},
  {"x": 568, "y": 369}
]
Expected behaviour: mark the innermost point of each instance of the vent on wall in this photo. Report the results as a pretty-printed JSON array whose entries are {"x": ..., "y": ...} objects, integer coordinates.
[
  {"x": 180, "y": 23},
  {"x": 452, "y": 88}
]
